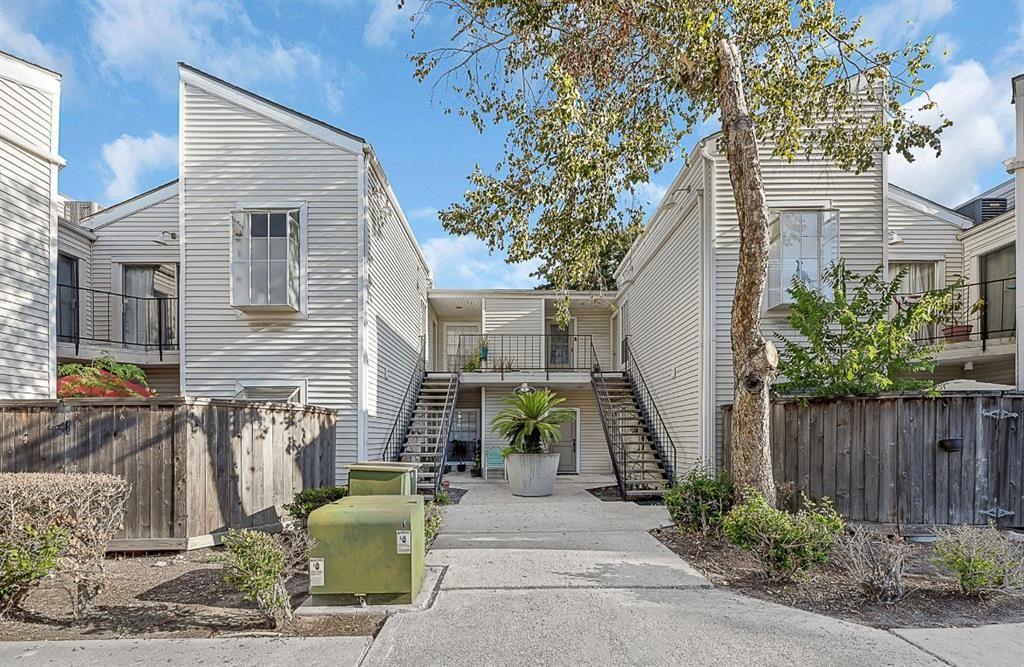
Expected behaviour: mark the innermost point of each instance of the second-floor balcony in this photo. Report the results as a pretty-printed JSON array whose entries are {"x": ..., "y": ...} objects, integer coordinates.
[
  {"x": 977, "y": 316},
  {"x": 507, "y": 355},
  {"x": 133, "y": 328}
]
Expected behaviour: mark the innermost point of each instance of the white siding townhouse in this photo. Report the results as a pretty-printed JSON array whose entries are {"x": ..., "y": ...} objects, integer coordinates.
[{"x": 279, "y": 266}]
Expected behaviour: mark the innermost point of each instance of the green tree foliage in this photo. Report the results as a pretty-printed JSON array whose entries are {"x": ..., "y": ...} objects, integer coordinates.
[
  {"x": 603, "y": 278},
  {"x": 594, "y": 96},
  {"x": 856, "y": 336}
]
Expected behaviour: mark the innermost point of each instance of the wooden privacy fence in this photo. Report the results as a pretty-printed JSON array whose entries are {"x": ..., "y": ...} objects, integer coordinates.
[
  {"x": 881, "y": 460},
  {"x": 197, "y": 467}
]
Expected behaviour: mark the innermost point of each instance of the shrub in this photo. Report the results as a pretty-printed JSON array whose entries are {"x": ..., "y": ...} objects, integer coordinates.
[
  {"x": 442, "y": 497},
  {"x": 433, "y": 519},
  {"x": 876, "y": 563},
  {"x": 259, "y": 565},
  {"x": 104, "y": 376},
  {"x": 305, "y": 501},
  {"x": 27, "y": 554},
  {"x": 784, "y": 544},
  {"x": 983, "y": 559},
  {"x": 85, "y": 508},
  {"x": 700, "y": 500}
]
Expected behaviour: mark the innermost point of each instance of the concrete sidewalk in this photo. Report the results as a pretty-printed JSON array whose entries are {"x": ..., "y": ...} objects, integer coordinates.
[{"x": 570, "y": 579}]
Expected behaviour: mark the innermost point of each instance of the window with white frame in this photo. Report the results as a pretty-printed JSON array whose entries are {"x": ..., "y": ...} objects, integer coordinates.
[
  {"x": 265, "y": 263},
  {"x": 803, "y": 244}
]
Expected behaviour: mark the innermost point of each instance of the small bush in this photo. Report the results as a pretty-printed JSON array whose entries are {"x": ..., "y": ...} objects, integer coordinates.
[
  {"x": 442, "y": 497},
  {"x": 27, "y": 554},
  {"x": 305, "y": 501},
  {"x": 700, "y": 500},
  {"x": 983, "y": 559},
  {"x": 784, "y": 544},
  {"x": 86, "y": 508},
  {"x": 433, "y": 519},
  {"x": 259, "y": 565},
  {"x": 876, "y": 563}
]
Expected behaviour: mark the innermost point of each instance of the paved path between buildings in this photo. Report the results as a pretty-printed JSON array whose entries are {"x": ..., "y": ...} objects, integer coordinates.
[
  {"x": 571, "y": 580},
  {"x": 566, "y": 580}
]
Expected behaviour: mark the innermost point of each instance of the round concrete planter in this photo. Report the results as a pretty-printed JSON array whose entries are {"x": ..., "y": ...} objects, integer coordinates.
[{"x": 532, "y": 474}]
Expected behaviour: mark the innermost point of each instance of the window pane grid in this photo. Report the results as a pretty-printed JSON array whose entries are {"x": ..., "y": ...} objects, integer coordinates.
[{"x": 265, "y": 258}]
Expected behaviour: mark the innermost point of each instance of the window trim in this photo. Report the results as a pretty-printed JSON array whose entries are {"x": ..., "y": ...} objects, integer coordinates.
[
  {"x": 273, "y": 311},
  {"x": 301, "y": 385},
  {"x": 822, "y": 209}
]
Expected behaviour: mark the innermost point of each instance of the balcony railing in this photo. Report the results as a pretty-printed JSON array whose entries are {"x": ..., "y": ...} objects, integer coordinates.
[
  {"x": 982, "y": 311},
  {"x": 519, "y": 353},
  {"x": 132, "y": 322}
]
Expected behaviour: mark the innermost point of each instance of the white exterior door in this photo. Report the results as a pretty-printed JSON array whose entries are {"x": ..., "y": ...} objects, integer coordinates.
[
  {"x": 453, "y": 335},
  {"x": 567, "y": 446}
]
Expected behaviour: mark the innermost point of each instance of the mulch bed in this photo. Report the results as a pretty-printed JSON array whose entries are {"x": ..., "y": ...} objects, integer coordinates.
[
  {"x": 455, "y": 495},
  {"x": 933, "y": 599},
  {"x": 168, "y": 595},
  {"x": 610, "y": 494}
]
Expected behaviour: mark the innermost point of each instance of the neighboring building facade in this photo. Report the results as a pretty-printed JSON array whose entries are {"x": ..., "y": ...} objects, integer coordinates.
[{"x": 29, "y": 162}]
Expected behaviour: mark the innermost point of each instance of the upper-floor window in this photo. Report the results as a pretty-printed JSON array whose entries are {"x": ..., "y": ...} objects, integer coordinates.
[
  {"x": 265, "y": 263},
  {"x": 803, "y": 244}
]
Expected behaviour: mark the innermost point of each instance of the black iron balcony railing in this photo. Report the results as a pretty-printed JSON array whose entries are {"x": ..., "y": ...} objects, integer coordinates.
[
  {"x": 981, "y": 311},
  {"x": 133, "y": 322},
  {"x": 515, "y": 353}
]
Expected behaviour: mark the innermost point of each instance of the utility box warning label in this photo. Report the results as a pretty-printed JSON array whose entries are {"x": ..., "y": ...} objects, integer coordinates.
[
  {"x": 403, "y": 539},
  {"x": 316, "y": 571}
]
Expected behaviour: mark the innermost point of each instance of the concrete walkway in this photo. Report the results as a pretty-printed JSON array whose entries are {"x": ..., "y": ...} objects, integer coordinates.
[{"x": 571, "y": 580}]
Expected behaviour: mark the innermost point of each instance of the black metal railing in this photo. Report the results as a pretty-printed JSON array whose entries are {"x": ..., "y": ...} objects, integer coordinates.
[
  {"x": 980, "y": 311},
  {"x": 138, "y": 322},
  {"x": 447, "y": 417},
  {"x": 396, "y": 438},
  {"x": 645, "y": 400},
  {"x": 514, "y": 353},
  {"x": 616, "y": 444}
]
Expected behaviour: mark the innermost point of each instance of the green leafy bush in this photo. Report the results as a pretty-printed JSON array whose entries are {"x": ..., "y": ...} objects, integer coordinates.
[
  {"x": 442, "y": 497},
  {"x": 305, "y": 501},
  {"x": 700, "y": 500},
  {"x": 259, "y": 565},
  {"x": 86, "y": 508},
  {"x": 784, "y": 544},
  {"x": 983, "y": 559},
  {"x": 27, "y": 554},
  {"x": 852, "y": 340}
]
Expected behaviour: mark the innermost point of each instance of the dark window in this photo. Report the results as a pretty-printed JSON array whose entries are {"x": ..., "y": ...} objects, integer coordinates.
[{"x": 67, "y": 298}]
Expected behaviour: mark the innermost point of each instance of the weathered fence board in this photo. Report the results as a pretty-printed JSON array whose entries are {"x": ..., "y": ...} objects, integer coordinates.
[
  {"x": 196, "y": 467},
  {"x": 879, "y": 459}
]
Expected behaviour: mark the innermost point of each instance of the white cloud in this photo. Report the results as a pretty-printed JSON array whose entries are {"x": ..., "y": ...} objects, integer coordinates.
[
  {"x": 891, "y": 24},
  {"x": 463, "y": 261},
  {"x": 20, "y": 41},
  {"x": 128, "y": 158},
  {"x": 142, "y": 41},
  {"x": 980, "y": 138},
  {"x": 385, "y": 20},
  {"x": 649, "y": 194},
  {"x": 423, "y": 213}
]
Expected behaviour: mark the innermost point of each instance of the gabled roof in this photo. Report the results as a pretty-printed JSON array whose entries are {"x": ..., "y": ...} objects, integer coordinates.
[
  {"x": 929, "y": 207},
  {"x": 112, "y": 214},
  {"x": 314, "y": 127},
  {"x": 1002, "y": 191}
]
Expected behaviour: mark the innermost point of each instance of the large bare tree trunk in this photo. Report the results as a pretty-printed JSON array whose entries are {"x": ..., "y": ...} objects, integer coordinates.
[{"x": 753, "y": 358}]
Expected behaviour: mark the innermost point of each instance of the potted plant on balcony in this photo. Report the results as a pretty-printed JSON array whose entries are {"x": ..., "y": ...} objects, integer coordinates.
[
  {"x": 959, "y": 328},
  {"x": 530, "y": 424},
  {"x": 482, "y": 348}
]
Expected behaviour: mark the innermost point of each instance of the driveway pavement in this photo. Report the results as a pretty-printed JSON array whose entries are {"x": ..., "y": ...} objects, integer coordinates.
[{"x": 571, "y": 580}]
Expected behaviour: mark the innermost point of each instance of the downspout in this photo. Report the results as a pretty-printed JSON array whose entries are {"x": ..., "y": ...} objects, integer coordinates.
[{"x": 709, "y": 339}]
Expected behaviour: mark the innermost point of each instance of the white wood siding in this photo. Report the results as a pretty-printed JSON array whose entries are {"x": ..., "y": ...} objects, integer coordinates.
[
  {"x": 395, "y": 302},
  {"x": 28, "y": 230},
  {"x": 511, "y": 317},
  {"x": 75, "y": 242},
  {"x": 925, "y": 238},
  {"x": 597, "y": 325},
  {"x": 130, "y": 240},
  {"x": 593, "y": 446},
  {"x": 232, "y": 154},
  {"x": 986, "y": 238},
  {"x": 662, "y": 288},
  {"x": 860, "y": 200}
]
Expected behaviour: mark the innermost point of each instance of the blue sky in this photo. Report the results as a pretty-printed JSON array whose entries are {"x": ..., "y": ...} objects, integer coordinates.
[{"x": 345, "y": 61}]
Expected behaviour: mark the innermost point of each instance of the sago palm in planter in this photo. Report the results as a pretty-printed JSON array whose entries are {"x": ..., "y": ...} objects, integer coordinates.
[{"x": 530, "y": 424}]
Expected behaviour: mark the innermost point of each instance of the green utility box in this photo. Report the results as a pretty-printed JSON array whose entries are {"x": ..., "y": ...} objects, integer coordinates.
[
  {"x": 368, "y": 547},
  {"x": 382, "y": 478}
]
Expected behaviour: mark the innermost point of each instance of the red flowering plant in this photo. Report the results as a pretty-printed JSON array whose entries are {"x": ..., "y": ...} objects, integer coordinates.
[{"x": 103, "y": 377}]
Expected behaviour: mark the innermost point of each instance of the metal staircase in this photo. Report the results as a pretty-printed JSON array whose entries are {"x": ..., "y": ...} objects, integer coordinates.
[
  {"x": 425, "y": 436},
  {"x": 642, "y": 452}
]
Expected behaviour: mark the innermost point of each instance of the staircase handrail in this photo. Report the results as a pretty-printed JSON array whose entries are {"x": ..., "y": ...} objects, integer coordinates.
[
  {"x": 447, "y": 417},
  {"x": 396, "y": 439},
  {"x": 660, "y": 434},
  {"x": 614, "y": 441}
]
